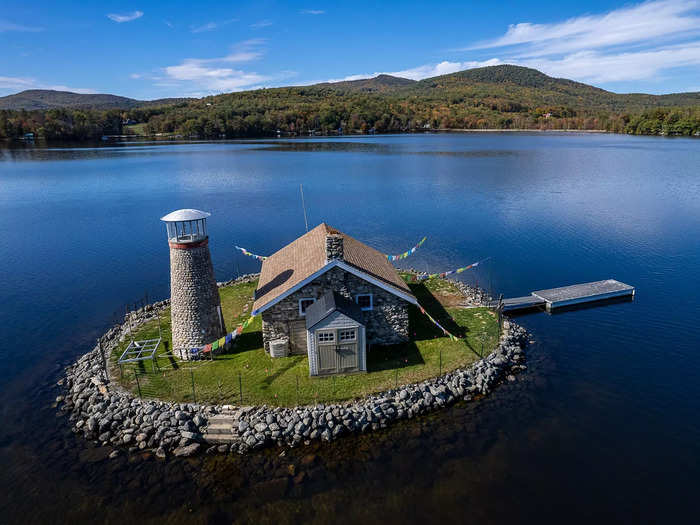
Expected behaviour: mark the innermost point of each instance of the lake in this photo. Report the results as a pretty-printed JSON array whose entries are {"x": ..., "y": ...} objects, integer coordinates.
[{"x": 603, "y": 425}]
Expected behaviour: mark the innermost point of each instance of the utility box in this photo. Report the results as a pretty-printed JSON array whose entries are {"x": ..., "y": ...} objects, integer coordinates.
[{"x": 279, "y": 348}]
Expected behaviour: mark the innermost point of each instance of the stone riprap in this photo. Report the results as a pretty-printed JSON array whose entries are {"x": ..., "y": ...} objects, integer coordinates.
[{"x": 112, "y": 416}]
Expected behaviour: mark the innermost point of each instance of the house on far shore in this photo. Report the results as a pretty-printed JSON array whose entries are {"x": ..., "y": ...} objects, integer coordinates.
[{"x": 330, "y": 296}]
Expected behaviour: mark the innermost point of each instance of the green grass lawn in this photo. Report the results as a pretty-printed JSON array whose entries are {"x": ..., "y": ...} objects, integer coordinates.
[
  {"x": 285, "y": 381},
  {"x": 134, "y": 129}
]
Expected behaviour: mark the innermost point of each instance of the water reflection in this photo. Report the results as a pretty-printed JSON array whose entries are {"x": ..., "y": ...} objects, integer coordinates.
[{"x": 602, "y": 423}]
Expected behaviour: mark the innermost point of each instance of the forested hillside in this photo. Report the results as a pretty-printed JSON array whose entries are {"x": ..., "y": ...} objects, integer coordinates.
[
  {"x": 497, "y": 97},
  {"x": 51, "y": 99}
]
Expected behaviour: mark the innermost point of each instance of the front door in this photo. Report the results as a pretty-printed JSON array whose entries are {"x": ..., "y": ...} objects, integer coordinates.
[
  {"x": 297, "y": 337},
  {"x": 337, "y": 350}
]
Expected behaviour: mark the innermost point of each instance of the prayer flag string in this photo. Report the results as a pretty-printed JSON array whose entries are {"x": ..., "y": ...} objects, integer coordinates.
[
  {"x": 219, "y": 343},
  {"x": 246, "y": 252},
  {"x": 389, "y": 257},
  {"x": 406, "y": 253},
  {"x": 424, "y": 276},
  {"x": 448, "y": 334}
]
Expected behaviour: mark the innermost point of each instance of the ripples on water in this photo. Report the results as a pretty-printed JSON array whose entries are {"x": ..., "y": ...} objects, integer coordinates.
[{"x": 602, "y": 425}]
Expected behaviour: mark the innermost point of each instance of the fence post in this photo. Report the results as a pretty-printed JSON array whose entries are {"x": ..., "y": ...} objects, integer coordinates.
[
  {"x": 104, "y": 360},
  {"x": 240, "y": 386},
  {"x": 500, "y": 315},
  {"x": 138, "y": 385},
  {"x": 194, "y": 396}
]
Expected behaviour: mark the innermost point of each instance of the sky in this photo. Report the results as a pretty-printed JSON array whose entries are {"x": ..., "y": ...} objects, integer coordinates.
[{"x": 149, "y": 50}]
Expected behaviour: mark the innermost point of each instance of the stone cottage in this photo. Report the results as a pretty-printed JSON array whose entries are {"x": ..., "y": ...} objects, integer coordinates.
[{"x": 330, "y": 296}]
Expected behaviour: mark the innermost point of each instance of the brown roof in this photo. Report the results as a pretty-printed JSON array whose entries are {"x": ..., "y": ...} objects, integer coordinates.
[{"x": 303, "y": 257}]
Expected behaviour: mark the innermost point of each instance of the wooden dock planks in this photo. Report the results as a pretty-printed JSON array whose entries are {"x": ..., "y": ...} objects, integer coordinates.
[
  {"x": 583, "y": 293},
  {"x": 568, "y": 295}
]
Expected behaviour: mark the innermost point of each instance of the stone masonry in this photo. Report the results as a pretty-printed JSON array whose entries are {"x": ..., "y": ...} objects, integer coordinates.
[
  {"x": 334, "y": 247},
  {"x": 195, "y": 303},
  {"x": 386, "y": 323}
]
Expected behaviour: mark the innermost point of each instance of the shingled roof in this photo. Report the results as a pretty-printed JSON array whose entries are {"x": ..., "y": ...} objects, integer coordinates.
[{"x": 305, "y": 257}]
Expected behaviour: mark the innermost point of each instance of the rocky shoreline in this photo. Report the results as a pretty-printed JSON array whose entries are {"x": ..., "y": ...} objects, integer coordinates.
[{"x": 109, "y": 415}]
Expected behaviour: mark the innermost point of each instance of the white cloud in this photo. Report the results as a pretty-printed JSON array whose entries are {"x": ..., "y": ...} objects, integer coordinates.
[
  {"x": 126, "y": 17},
  {"x": 211, "y": 26},
  {"x": 639, "y": 24},
  {"x": 135, "y": 76},
  {"x": 13, "y": 84},
  {"x": 425, "y": 71},
  {"x": 215, "y": 74},
  {"x": 596, "y": 67},
  {"x": 9, "y": 26},
  {"x": 312, "y": 12},
  {"x": 261, "y": 24},
  {"x": 206, "y": 27},
  {"x": 637, "y": 42},
  {"x": 442, "y": 68}
]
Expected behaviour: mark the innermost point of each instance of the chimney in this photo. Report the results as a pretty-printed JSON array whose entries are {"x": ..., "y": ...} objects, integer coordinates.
[{"x": 334, "y": 246}]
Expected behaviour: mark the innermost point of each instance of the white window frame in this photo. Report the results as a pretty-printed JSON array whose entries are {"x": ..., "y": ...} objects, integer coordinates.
[
  {"x": 353, "y": 331},
  {"x": 303, "y": 313},
  {"x": 371, "y": 301},
  {"x": 326, "y": 332}
]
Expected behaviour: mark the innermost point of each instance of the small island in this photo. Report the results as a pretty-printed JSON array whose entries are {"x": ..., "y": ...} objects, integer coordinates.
[{"x": 328, "y": 339}]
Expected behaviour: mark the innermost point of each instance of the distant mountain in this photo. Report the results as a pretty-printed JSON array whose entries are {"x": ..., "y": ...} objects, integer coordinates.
[
  {"x": 32, "y": 99},
  {"x": 380, "y": 83},
  {"x": 527, "y": 85}
]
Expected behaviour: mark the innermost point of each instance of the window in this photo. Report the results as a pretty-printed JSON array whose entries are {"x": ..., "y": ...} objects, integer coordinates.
[
  {"x": 326, "y": 337},
  {"x": 346, "y": 335},
  {"x": 364, "y": 301},
  {"x": 304, "y": 304}
]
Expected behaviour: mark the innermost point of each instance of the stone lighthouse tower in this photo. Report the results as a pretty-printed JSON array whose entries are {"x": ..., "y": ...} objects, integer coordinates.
[{"x": 194, "y": 298}]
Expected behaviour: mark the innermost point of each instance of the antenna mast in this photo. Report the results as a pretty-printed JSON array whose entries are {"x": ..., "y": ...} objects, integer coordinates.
[{"x": 306, "y": 222}]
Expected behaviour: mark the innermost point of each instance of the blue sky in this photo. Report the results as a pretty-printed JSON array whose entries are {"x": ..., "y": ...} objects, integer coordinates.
[{"x": 151, "y": 50}]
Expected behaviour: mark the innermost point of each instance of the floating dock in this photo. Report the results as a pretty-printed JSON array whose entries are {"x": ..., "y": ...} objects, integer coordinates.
[
  {"x": 569, "y": 295},
  {"x": 521, "y": 303}
]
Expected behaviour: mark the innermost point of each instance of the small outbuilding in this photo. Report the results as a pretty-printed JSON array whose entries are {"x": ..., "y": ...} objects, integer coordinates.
[{"x": 335, "y": 335}]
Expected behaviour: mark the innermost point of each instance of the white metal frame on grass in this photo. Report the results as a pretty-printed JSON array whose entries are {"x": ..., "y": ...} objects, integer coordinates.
[{"x": 140, "y": 351}]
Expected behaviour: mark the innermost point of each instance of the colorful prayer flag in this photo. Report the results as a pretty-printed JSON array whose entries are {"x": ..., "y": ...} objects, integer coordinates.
[
  {"x": 249, "y": 254},
  {"x": 406, "y": 253}
]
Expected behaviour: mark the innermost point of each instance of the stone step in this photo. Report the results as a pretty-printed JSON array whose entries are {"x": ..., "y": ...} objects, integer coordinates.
[
  {"x": 222, "y": 419},
  {"x": 217, "y": 428},
  {"x": 219, "y": 438}
]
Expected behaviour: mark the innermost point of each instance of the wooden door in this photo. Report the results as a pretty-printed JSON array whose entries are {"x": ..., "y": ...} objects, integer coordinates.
[
  {"x": 297, "y": 337},
  {"x": 327, "y": 355},
  {"x": 347, "y": 349},
  {"x": 337, "y": 350}
]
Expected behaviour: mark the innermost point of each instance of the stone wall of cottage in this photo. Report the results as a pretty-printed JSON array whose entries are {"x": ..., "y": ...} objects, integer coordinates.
[{"x": 386, "y": 323}]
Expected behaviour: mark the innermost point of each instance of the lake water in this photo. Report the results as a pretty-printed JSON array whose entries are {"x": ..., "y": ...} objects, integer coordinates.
[{"x": 602, "y": 426}]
